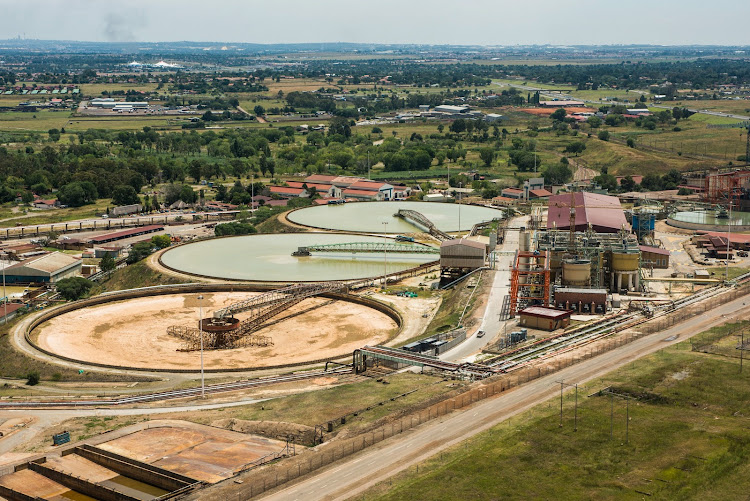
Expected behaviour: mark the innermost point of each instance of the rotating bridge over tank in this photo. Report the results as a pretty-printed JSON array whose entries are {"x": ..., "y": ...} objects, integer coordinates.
[
  {"x": 365, "y": 247},
  {"x": 224, "y": 331},
  {"x": 419, "y": 219}
]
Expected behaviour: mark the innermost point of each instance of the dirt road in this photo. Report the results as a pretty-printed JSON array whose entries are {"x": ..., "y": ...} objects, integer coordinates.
[{"x": 353, "y": 476}]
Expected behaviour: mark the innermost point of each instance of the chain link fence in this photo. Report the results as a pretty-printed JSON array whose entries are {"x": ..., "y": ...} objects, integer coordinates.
[{"x": 258, "y": 481}]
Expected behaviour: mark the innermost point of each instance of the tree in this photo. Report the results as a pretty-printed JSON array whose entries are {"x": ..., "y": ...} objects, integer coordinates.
[
  {"x": 557, "y": 174},
  {"x": 78, "y": 193},
  {"x": 234, "y": 228},
  {"x": 631, "y": 142},
  {"x": 575, "y": 147},
  {"x": 594, "y": 122},
  {"x": 107, "y": 263},
  {"x": 139, "y": 251},
  {"x": 259, "y": 110},
  {"x": 559, "y": 114},
  {"x": 161, "y": 241},
  {"x": 124, "y": 194},
  {"x": 627, "y": 184},
  {"x": 603, "y": 135},
  {"x": 487, "y": 155},
  {"x": 606, "y": 181},
  {"x": 54, "y": 135},
  {"x": 32, "y": 378},
  {"x": 74, "y": 288},
  {"x": 339, "y": 125}
]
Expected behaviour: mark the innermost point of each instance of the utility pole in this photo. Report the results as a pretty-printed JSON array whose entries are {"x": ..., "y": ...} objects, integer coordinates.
[
  {"x": 200, "y": 327},
  {"x": 562, "y": 384},
  {"x": 729, "y": 232},
  {"x": 741, "y": 347},
  {"x": 385, "y": 254}
]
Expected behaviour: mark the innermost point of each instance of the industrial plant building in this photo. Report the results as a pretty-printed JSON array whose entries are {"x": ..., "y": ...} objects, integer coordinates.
[
  {"x": 602, "y": 213},
  {"x": 460, "y": 256},
  {"x": 49, "y": 268},
  {"x": 585, "y": 251}
]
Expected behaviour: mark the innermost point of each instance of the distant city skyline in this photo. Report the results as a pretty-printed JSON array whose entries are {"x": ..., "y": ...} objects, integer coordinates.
[{"x": 469, "y": 22}]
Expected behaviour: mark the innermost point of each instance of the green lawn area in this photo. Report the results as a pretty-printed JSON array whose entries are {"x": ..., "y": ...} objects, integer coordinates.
[
  {"x": 734, "y": 271},
  {"x": 688, "y": 439}
]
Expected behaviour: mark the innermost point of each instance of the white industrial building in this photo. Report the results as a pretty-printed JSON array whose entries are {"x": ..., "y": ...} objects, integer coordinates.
[{"x": 49, "y": 268}]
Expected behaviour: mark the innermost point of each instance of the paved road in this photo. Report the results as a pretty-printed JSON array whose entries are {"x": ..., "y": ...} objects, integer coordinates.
[
  {"x": 491, "y": 323},
  {"x": 355, "y": 475}
]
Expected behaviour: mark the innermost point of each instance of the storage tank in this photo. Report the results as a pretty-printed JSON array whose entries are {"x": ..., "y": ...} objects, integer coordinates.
[
  {"x": 622, "y": 261},
  {"x": 576, "y": 272}
]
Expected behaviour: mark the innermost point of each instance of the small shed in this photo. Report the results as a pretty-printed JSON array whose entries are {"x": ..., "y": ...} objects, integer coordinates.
[{"x": 541, "y": 317}]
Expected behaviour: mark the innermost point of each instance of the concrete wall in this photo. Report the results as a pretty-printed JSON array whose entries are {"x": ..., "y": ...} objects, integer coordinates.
[
  {"x": 705, "y": 227},
  {"x": 80, "y": 485},
  {"x": 146, "y": 473}
]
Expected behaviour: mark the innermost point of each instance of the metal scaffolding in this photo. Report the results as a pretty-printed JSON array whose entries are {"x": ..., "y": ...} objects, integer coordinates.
[
  {"x": 529, "y": 280},
  {"x": 371, "y": 247},
  {"x": 224, "y": 331},
  {"x": 421, "y": 220}
]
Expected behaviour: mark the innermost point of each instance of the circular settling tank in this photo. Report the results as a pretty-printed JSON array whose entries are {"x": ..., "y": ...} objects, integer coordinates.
[
  {"x": 133, "y": 332},
  {"x": 268, "y": 258},
  {"x": 711, "y": 218},
  {"x": 368, "y": 217}
]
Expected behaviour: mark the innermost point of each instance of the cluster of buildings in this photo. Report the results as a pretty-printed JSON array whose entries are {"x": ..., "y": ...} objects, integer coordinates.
[
  {"x": 579, "y": 261},
  {"x": 338, "y": 189}
]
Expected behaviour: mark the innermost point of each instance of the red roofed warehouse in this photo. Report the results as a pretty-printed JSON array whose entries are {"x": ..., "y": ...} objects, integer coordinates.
[
  {"x": 602, "y": 212},
  {"x": 133, "y": 232}
]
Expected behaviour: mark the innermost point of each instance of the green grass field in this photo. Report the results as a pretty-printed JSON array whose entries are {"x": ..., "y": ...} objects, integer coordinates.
[{"x": 688, "y": 439}]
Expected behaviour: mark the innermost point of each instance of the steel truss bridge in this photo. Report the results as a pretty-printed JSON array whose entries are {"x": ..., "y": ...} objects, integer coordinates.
[
  {"x": 421, "y": 220},
  {"x": 224, "y": 331},
  {"x": 395, "y": 355},
  {"x": 364, "y": 247}
]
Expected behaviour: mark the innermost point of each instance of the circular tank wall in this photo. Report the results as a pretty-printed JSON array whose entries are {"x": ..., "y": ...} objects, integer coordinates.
[
  {"x": 624, "y": 262},
  {"x": 368, "y": 217},
  {"x": 711, "y": 218},
  {"x": 268, "y": 258},
  {"x": 576, "y": 272}
]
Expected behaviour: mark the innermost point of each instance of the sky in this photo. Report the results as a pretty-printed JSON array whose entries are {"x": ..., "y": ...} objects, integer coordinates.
[{"x": 457, "y": 22}]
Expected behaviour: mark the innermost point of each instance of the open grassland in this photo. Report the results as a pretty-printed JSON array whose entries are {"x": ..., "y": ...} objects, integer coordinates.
[
  {"x": 8, "y": 218},
  {"x": 734, "y": 106},
  {"x": 96, "y": 90},
  {"x": 687, "y": 439}
]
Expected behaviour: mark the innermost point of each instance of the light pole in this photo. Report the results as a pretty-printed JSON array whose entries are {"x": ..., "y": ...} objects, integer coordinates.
[
  {"x": 385, "y": 254},
  {"x": 460, "y": 185},
  {"x": 5, "y": 295},
  {"x": 729, "y": 235},
  {"x": 200, "y": 327}
]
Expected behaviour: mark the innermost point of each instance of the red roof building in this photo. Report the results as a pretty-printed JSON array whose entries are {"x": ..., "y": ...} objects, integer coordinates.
[
  {"x": 542, "y": 193},
  {"x": 603, "y": 212},
  {"x": 286, "y": 192},
  {"x": 133, "y": 232}
]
